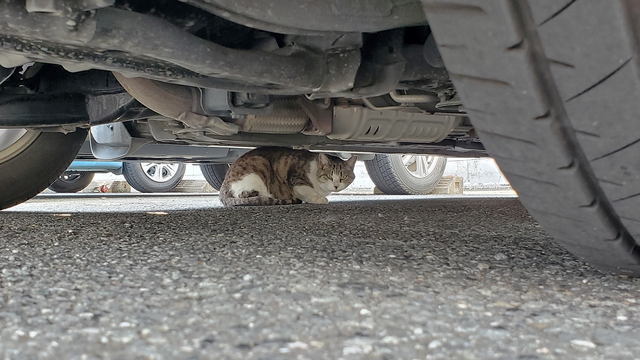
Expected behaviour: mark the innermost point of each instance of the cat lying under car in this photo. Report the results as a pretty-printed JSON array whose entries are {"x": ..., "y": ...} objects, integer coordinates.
[{"x": 282, "y": 176}]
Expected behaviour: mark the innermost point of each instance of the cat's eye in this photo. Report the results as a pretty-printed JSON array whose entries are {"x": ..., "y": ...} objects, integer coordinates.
[{"x": 324, "y": 177}]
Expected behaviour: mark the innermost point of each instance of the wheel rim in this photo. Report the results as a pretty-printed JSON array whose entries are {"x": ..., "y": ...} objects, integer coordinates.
[
  {"x": 420, "y": 166},
  {"x": 160, "y": 172},
  {"x": 14, "y": 141}
]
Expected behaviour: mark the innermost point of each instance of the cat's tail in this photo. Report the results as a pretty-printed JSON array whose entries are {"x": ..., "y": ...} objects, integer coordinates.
[{"x": 257, "y": 201}]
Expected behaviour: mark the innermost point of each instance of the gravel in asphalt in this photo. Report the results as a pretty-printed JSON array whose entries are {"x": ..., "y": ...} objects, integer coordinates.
[{"x": 370, "y": 279}]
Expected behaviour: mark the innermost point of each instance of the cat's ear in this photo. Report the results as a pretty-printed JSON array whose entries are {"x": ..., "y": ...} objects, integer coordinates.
[
  {"x": 351, "y": 163},
  {"x": 323, "y": 159}
]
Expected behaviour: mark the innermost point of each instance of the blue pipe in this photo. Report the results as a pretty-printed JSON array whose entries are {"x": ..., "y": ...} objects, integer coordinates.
[{"x": 95, "y": 166}]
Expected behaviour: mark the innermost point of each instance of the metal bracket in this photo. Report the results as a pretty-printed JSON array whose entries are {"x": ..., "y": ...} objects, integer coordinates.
[
  {"x": 211, "y": 124},
  {"x": 113, "y": 141},
  {"x": 225, "y": 103},
  {"x": 321, "y": 117}
]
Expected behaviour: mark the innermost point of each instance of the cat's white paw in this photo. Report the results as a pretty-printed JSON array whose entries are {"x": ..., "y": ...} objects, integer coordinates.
[
  {"x": 317, "y": 200},
  {"x": 322, "y": 200}
]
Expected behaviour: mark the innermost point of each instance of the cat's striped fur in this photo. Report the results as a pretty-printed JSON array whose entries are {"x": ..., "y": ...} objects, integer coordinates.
[{"x": 282, "y": 176}]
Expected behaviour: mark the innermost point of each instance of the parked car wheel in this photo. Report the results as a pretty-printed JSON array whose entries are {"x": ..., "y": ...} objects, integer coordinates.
[
  {"x": 72, "y": 182},
  {"x": 32, "y": 160},
  {"x": 214, "y": 174},
  {"x": 153, "y": 177},
  {"x": 406, "y": 174}
]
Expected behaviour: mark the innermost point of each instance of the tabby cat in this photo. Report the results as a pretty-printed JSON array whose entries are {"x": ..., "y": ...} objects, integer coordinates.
[{"x": 281, "y": 176}]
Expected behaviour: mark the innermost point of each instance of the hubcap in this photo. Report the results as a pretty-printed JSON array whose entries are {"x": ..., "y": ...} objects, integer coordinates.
[
  {"x": 419, "y": 166},
  {"x": 14, "y": 141},
  {"x": 160, "y": 172},
  {"x": 9, "y": 137}
]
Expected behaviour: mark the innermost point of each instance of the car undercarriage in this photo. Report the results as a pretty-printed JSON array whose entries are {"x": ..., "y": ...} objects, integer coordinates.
[{"x": 352, "y": 77}]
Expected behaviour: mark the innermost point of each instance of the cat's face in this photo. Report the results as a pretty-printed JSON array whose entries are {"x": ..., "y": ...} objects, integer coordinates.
[{"x": 335, "y": 174}]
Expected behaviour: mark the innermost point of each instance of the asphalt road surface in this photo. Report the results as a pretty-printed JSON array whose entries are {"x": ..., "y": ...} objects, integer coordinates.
[{"x": 378, "y": 278}]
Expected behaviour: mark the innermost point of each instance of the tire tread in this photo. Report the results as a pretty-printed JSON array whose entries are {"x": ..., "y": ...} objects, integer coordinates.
[
  {"x": 385, "y": 176},
  {"x": 550, "y": 157},
  {"x": 214, "y": 174},
  {"x": 38, "y": 166}
]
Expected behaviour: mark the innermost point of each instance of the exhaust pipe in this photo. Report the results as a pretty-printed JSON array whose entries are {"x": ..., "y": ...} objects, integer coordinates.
[
  {"x": 183, "y": 103},
  {"x": 176, "y": 102}
]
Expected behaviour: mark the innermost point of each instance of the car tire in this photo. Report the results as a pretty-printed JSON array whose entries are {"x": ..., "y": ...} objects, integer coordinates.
[
  {"x": 72, "y": 182},
  {"x": 406, "y": 174},
  {"x": 153, "y": 177},
  {"x": 554, "y": 100},
  {"x": 214, "y": 174},
  {"x": 33, "y": 162}
]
